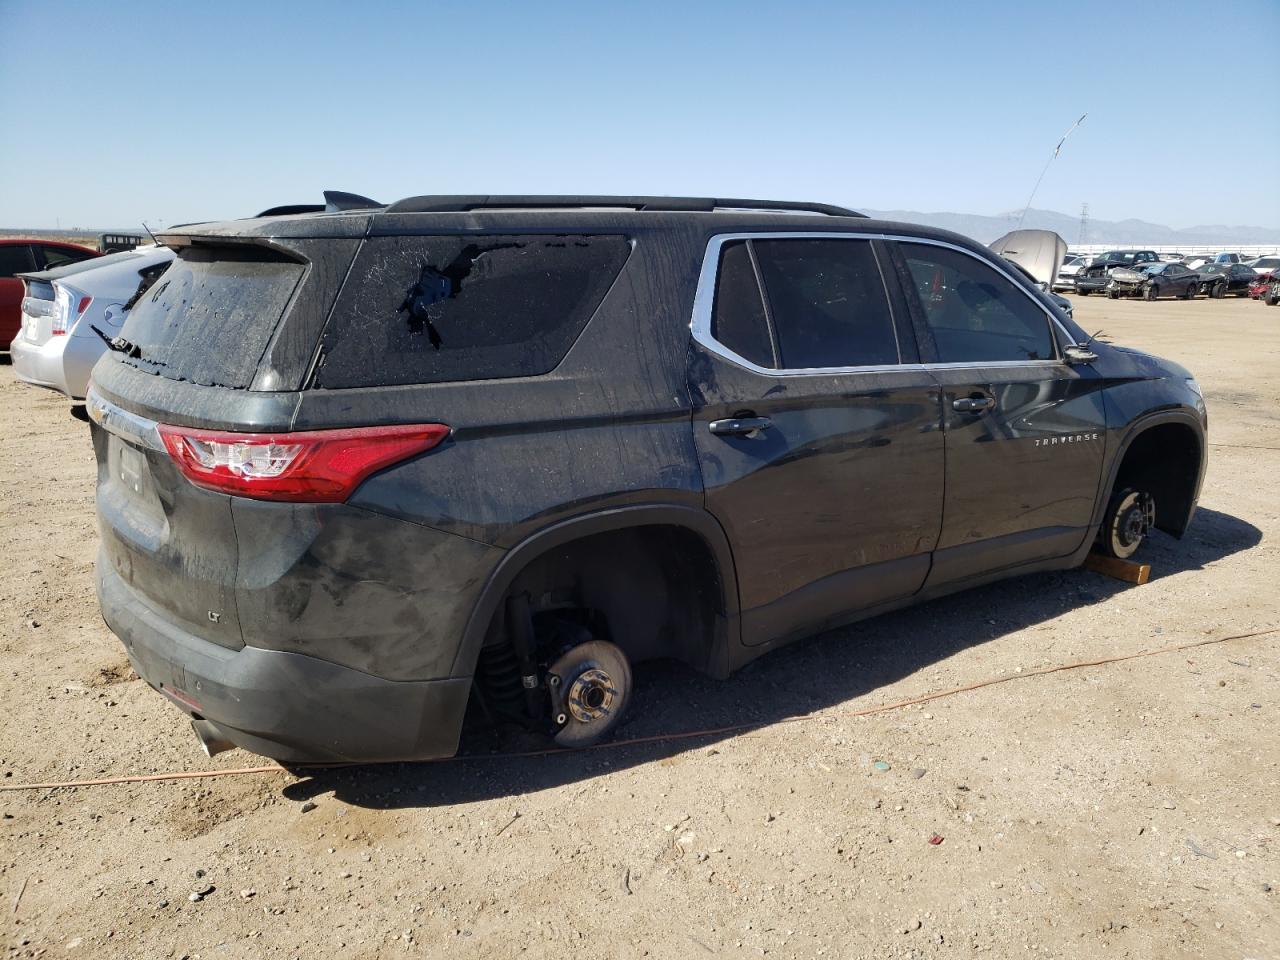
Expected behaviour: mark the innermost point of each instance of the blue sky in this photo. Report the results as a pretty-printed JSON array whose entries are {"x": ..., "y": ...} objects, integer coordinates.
[{"x": 232, "y": 107}]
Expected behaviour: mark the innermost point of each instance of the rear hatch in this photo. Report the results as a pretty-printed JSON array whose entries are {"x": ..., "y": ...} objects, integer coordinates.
[{"x": 188, "y": 354}]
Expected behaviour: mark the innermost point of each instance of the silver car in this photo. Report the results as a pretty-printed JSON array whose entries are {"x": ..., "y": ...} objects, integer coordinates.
[{"x": 57, "y": 345}]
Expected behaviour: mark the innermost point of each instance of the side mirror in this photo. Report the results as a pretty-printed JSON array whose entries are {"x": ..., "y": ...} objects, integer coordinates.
[{"x": 1078, "y": 354}]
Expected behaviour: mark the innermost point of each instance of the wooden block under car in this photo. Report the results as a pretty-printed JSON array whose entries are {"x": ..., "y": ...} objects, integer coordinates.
[{"x": 1125, "y": 570}]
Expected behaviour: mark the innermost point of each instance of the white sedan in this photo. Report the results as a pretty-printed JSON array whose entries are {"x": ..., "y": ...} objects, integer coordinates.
[{"x": 57, "y": 345}]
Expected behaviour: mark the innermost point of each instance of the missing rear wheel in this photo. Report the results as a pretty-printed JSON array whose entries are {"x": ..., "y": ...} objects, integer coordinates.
[{"x": 592, "y": 693}]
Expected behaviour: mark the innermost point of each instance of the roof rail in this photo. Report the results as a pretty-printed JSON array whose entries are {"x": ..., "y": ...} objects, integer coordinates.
[{"x": 461, "y": 204}]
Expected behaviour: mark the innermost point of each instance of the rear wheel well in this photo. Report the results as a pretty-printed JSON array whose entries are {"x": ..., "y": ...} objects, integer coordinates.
[
  {"x": 1164, "y": 461},
  {"x": 654, "y": 590}
]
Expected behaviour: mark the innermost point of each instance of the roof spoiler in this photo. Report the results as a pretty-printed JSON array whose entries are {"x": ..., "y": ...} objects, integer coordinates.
[
  {"x": 463, "y": 204},
  {"x": 334, "y": 201}
]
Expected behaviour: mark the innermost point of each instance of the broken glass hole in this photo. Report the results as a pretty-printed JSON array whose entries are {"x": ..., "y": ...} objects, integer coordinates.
[{"x": 434, "y": 286}]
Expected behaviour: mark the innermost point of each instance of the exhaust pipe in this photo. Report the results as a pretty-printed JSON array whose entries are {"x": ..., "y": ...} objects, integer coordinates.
[{"x": 212, "y": 742}]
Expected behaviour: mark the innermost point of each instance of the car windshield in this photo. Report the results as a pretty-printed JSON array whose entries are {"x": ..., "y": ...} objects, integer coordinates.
[{"x": 1116, "y": 256}]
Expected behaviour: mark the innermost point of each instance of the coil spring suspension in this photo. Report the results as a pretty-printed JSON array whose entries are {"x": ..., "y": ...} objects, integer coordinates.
[{"x": 498, "y": 676}]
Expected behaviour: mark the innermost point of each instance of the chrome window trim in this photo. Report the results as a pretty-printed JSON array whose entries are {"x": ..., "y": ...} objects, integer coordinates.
[
  {"x": 122, "y": 423},
  {"x": 704, "y": 301}
]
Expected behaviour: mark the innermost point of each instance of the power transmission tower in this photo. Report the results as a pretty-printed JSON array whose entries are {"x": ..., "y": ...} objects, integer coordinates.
[{"x": 1084, "y": 224}]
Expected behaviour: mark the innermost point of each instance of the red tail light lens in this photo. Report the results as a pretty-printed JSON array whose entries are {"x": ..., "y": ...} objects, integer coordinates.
[
  {"x": 65, "y": 314},
  {"x": 312, "y": 466}
]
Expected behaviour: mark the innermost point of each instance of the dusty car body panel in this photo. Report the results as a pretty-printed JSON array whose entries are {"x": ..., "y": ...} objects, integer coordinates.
[{"x": 869, "y": 489}]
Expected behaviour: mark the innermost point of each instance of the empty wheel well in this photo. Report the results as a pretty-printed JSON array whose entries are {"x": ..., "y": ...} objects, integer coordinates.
[
  {"x": 1164, "y": 461},
  {"x": 654, "y": 590}
]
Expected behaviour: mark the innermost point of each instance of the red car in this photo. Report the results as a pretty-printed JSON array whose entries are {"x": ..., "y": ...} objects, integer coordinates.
[
  {"x": 23, "y": 256},
  {"x": 1258, "y": 289}
]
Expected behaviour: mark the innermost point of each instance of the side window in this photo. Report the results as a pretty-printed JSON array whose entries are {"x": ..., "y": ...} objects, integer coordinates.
[
  {"x": 975, "y": 314},
  {"x": 827, "y": 302},
  {"x": 738, "y": 319},
  {"x": 430, "y": 309},
  {"x": 15, "y": 258}
]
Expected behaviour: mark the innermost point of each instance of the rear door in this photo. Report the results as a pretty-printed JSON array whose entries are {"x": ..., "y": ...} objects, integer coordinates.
[
  {"x": 817, "y": 431},
  {"x": 1025, "y": 432}
]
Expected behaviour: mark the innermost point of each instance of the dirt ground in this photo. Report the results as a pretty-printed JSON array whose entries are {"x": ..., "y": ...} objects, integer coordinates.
[{"x": 1129, "y": 810}]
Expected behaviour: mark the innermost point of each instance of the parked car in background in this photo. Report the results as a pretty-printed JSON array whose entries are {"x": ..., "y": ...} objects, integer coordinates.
[
  {"x": 1272, "y": 296},
  {"x": 1062, "y": 303},
  {"x": 21, "y": 256},
  {"x": 1039, "y": 253},
  {"x": 1209, "y": 258},
  {"x": 57, "y": 345},
  {"x": 1151, "y": 281},
  {"x": 1267, "y": 264},
  {"x": 1095, "y": 277},
  {"x": 1066, "y": 278},
  {"x": 332, "y": 493},
  {"x": 1172, "y": 257},
  {"x": 1221, "y": 279},
  {"x": 1260, "y": 285}
]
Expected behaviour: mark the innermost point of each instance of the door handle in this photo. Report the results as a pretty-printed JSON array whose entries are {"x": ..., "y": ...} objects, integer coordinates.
[
  {"x": 977, "y": 404},
  {"x": 739, "y": 426}
]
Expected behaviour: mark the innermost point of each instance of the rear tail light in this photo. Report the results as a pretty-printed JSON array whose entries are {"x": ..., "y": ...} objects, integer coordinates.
[
  {"x": 64, "y": 315},
  {"x": 313, "y": 466}
]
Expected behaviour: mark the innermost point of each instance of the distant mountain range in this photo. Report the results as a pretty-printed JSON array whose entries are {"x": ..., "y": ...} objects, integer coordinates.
[{"x": 1119, "y": 232}]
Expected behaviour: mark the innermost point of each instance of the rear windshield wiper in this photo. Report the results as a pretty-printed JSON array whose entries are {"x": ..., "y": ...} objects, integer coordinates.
[{"x": 119, "y": 344}]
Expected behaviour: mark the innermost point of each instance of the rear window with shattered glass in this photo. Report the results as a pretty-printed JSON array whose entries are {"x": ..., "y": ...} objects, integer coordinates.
[
  {"x": 446, "y": 308},
  {"x": 208, "y": 318}
]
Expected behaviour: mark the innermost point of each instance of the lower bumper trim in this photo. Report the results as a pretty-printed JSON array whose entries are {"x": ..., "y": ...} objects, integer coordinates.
[{"x": 286, "y": 706}]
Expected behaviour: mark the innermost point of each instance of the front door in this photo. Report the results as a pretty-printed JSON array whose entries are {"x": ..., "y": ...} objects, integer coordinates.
[
  {"x": 818, "y": 433},
  {"x": 1025, "y": 432}
]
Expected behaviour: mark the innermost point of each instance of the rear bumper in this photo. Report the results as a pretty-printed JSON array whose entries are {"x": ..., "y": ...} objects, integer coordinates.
[
  {"x": 286, "y": 706},
  {"x": 61, "y": 363}
]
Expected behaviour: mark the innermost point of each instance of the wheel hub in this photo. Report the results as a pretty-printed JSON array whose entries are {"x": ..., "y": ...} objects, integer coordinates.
[
  {"x": 1136, "y": 520},
  {"x": 591, "y": 696}
]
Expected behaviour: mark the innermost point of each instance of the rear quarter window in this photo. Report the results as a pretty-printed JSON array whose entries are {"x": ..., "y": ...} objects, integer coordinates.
[{"x": 430, "y": 309}]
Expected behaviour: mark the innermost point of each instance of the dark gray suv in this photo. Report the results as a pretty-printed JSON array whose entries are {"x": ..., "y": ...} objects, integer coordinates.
[{"x": 359, "y": 469}]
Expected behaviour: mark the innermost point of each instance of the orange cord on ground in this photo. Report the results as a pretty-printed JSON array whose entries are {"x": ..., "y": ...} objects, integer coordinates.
[{"x": 658, "y": 738}]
